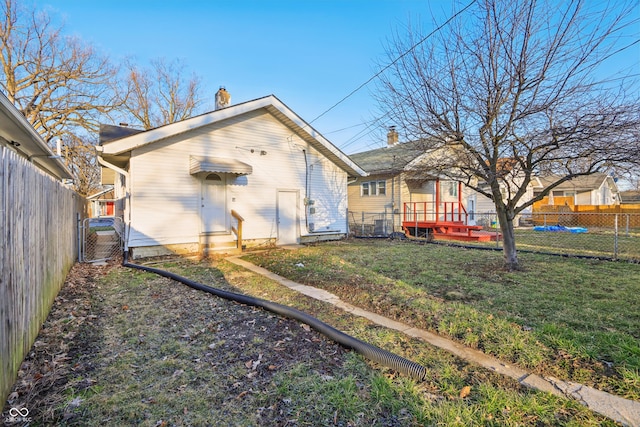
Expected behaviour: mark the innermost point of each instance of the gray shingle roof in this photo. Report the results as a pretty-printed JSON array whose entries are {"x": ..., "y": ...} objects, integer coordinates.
[
  {"x": 578, "y": 183},
  {"x": 631, "y": 197},
  {"x": 390, "y": 159}
]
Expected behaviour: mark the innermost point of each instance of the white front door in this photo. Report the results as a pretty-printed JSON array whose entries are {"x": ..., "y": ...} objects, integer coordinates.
[
  {"x": 287, "y": 217},
  {"x": 214, "y": 204}
]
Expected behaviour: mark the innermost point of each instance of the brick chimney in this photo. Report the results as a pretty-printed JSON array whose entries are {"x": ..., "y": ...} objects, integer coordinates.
[
  {"x": 392, "y": 136},
  {"x": 223, "y": 99}
]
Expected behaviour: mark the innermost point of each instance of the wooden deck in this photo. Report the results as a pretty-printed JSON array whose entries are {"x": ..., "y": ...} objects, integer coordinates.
[
  {"x": 448, "y": 230},
  {"x": 443, "y": 220}
]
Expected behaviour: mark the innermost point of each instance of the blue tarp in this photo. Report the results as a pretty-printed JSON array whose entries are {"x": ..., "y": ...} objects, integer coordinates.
[{"x": 560, "y": 228}]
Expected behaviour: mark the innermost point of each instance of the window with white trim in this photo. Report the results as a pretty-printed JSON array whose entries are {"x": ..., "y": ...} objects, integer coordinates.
[{"x": 373, "y": 188}]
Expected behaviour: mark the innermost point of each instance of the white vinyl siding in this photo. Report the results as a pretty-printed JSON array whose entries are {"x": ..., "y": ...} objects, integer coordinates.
[{"x": 165, "y": 198}]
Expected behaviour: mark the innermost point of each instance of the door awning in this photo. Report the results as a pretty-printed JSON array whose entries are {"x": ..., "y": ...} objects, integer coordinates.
[{"x": 205, "y": 165}]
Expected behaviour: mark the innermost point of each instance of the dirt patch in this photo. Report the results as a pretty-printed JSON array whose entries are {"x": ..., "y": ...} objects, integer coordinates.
[
  {"x": 170, "y": 343},
  {"x": 62, "y": 349}
]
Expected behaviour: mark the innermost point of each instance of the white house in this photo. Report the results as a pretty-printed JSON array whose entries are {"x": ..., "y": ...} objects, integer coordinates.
[
  {"x": 597, "y": 189},
  {"x": 184, "y": 185}
]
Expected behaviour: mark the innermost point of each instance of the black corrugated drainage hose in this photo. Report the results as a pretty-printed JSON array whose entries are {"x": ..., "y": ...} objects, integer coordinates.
[{"x": 378, "y": 355}]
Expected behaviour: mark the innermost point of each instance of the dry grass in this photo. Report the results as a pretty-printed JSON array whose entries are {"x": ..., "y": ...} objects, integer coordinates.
[{"x": 122, "y": 347}]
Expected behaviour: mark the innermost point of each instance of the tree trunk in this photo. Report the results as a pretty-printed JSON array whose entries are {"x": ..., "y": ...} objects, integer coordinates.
[{"x": 508, "y": 239}]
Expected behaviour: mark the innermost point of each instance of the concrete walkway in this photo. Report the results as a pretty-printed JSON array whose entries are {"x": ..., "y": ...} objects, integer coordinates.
[{"x": 624, "y": 411}]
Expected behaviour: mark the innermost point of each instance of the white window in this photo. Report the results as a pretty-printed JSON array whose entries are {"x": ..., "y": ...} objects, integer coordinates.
[
  {"x": 373, "y": 188},
  {"x": 452, "y": 188}
]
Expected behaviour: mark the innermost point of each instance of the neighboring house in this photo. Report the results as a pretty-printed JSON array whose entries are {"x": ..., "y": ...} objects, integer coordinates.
[
  {"x": 398, "y": 186},
  {"x": 184, "y": 185},
  {"x": 102, "y": 203},
  {"x": 18, "y": 134},
  {"x": 630, "y": 197},
  {"x": 386, "y": 185},
  {"x": 597, "y": 189}
]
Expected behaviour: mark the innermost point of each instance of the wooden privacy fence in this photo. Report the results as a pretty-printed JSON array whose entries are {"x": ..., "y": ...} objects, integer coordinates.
[
  {"x": 565, "y": 212},
  {"x": 38, "y": 246}
]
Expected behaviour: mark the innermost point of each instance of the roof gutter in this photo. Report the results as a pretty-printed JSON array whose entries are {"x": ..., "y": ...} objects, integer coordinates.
[
  {"x": 111, "y": 166},
  {"x": 30, "y": 144}
]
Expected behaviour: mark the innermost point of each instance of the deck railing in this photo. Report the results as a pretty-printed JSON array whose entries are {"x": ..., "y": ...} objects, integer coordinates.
[
  {"x": 237, "y": 230},
  {"x": 432, "y": 212}
]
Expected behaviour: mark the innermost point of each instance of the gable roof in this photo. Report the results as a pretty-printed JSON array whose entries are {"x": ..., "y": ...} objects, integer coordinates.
[
  {"x": 390, "y": 159},
  {"x": 577, "y": 183},
  {"x": 630, "y": 196},
  {"x": 117, "y": 151},
  {"x": 16, "y": 131},
  {"x": 110, "y": 132},
  {"x": 99, "y": 193}
]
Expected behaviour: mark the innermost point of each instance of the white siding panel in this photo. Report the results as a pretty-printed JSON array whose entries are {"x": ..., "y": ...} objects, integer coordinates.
[
  {"x": 166, "y": 198},
  {"x": 328, "y": 190}
]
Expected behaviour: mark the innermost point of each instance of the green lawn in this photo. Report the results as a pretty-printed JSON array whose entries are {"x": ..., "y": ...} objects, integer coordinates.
[
  {"x": 599, "y": 243},
  {"x": 572, "y": 318},
  {"x": 153, "y": 352}
]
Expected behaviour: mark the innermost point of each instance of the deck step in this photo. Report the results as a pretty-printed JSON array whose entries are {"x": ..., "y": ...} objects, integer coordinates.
[{"x": 475, "y": 236}]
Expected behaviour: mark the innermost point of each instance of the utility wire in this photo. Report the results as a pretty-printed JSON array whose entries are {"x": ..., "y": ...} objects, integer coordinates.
[{"x": 396, "y": 60}]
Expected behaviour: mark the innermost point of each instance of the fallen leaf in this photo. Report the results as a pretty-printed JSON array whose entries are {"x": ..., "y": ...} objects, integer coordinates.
[
  {"x": 466, "y": 390},
  {"x": 306, "y": 327}
]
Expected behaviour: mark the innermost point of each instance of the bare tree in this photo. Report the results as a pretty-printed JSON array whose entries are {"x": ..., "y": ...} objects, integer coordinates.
[
  {"x": 80, "y": 158},
  {"x": 56, "y": 81},
  {"x": 510, "y": 89},
  {"x": 61, "y": 85},
  {"x": 161, "y": 95}
]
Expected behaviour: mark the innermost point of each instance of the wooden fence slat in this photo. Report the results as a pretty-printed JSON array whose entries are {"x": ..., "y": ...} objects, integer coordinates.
[{"x": 38, "y": 246}]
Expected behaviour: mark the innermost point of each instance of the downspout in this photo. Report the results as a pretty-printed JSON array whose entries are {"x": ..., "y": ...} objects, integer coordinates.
[
  {"x": 124, "y": 173},
  {"x": 306, "y": 190}
]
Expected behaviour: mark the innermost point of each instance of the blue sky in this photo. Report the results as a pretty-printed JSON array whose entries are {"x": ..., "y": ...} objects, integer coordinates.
[{"x": 309, "y": 53}]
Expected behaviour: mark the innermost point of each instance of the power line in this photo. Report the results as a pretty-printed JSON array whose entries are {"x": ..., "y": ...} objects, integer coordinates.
[{"x": 396, "y": 60}]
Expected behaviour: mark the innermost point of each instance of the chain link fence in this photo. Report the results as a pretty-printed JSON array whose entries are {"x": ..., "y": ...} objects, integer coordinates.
[
  {"x": 101, "y": 238},
  {"x": 601, "y": 235}
]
